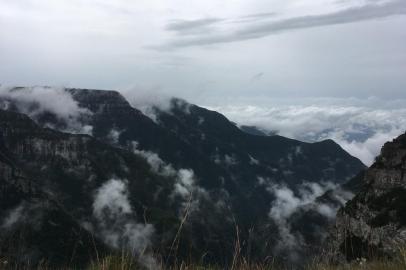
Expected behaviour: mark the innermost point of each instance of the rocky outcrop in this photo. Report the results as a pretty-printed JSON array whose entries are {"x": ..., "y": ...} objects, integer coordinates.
[{"x": 373, "y": 223}]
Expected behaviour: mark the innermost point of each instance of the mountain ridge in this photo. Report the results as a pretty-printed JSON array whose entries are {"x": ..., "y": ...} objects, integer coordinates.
[{"x": 155, "y": 166}]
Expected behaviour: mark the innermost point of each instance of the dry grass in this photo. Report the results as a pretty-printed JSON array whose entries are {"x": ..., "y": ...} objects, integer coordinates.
[
  {"x": 123, "y": 262},
  {"x": 398, "y": 263},
  {"x": 128, "y": 262}
]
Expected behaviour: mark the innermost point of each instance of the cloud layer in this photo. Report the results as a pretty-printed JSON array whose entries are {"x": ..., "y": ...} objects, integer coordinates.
[
  {"x": 360, "y": 127},
  {"x": 211, "y": 48}
]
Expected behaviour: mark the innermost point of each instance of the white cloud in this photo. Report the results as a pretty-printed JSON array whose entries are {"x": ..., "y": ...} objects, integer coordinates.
[
  {"x": 367, "y": 150},
  {"x": 112, "y": 197},
  {"x": 116, "y": 224},
  {"x": 287, "y": 202},
  {"x": 152, "y": 101},
  {"x": 360, "y": 127},
  {"x": 327, "y": 210},
  {"x": 185, "y": 186},
  {"x": 14, "y": 216},
  {"x": 145, "y": 99},
  {"x": 114, "y": 135},
  {"x": 157, "y": 164},
  {"x": 253, "y": 161},
  {"x": 230, "y": 160},
  {"x": 34, "y": 101},
  {"x": 185, "y": 180}
]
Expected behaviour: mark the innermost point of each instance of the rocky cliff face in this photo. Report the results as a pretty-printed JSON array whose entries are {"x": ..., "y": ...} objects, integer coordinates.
[
  {"x": 33, "y": 225},
  {"x": 52, "y": 204},
  {"x": 373, "y": 223}
]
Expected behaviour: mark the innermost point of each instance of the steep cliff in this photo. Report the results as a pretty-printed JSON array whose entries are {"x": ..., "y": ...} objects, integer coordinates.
[
  {"x": 373, "y": 223},
  {"x": 63, "y": 195},
  {"x": 34, "y": 226}
]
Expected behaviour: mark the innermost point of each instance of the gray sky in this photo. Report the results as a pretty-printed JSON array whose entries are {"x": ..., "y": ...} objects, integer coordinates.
[
  {"x": 208, "y": 49},
  {"x": 311, "y": 69}
]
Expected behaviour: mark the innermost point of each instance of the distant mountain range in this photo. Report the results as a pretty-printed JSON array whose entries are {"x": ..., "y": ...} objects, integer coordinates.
[{"x": 82, "y": 170}]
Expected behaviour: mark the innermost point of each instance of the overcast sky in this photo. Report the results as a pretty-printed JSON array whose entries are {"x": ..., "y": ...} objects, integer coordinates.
[
  {"x": 311, "y": 69},
  {"x": 208, "y": 49}
]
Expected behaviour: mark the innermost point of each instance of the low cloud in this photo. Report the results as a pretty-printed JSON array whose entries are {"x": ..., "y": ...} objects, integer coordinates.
[
  {"x": 153, "y": 101},
  {"x": 367, "y": 150},
  {"x": 185, "y": 183},
  {"x": 35, "y": 101},
  {"x": 360, "y": 127},
  {"x": 185, "y": 180},
  {"x": 288, "y": 202},
  {"x": 114, "y": 136},
  {"x": 145, "y": 99},
  {"x": 112, "y": 197},
  {"x": 116, "y": 223},
  {"x": 30, "y": 213},
  {"x": 157, "y": 164},
  {"x": 13, "y": 217}
]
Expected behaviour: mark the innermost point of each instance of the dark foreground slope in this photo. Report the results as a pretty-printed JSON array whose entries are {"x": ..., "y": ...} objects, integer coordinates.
[
  {"x": 373, "y": 223},
  {"x": 34, "y": 226},
  {"x": 188, "y": 158}
]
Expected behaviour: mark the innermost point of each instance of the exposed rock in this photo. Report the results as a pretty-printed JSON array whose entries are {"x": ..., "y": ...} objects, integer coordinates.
[{"x": 373, "y": 223}]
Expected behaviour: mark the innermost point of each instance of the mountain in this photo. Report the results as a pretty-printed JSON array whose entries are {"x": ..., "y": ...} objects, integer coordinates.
[
  {"x": 121, "y": 174},
  {"x": 277, "y": 157},
  {"x": 373, "y": 223}
]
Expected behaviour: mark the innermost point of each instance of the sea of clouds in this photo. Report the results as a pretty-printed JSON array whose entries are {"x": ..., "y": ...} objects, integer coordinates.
[{"x": 361, "y": 127}]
